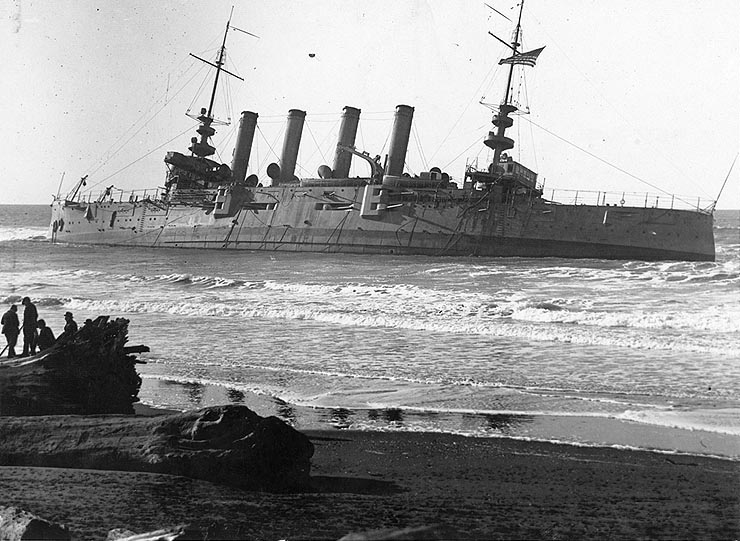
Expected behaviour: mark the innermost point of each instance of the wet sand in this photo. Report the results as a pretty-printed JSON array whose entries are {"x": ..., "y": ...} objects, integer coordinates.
[
  {"x": 473, "y": 488},
  {"x": 588, "y": 430}
]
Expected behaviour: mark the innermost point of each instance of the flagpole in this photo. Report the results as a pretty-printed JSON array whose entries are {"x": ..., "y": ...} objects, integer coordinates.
[{"x": 514, "y": 47}]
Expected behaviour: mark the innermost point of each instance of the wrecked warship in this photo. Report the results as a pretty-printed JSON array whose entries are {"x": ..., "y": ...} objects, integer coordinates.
[{"x": 499, "y": 209}]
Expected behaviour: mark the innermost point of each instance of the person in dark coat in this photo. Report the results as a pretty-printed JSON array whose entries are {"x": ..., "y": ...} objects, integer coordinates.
[
  {"x": 30, "y": 334},
  {"x": 11, "y": 328},
  {"x": 46, "y": 336},
  {"x": 70, "y": 326}
]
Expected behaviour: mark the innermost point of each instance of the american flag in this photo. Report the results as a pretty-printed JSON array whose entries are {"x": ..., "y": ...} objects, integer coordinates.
[{"x": 528, "y": 58}]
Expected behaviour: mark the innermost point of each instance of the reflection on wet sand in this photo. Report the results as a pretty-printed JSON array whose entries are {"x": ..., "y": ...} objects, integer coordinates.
[
  {"x": 235, "y": 396},
  {"x": 502, "y": 423},
  {"x": 340, "y": 417},
  {"x": 480, "y": 423},
  {"x": 393, "y": 415},
  {"x": 600, "y": 431},
  {"x": 195, "y": 393},
  {"x": 344, "y": 418},
  {"x": 285, "y": 410}
]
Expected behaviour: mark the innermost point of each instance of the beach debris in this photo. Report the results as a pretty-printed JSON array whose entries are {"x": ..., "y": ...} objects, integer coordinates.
[
  {"x": 86, "y": 372},
  {"x": 182, "y": 532},
  {"x": 407, "y": 534},
  {"x": 229, "y": 445},
  {"x": 17, "y": 524}
]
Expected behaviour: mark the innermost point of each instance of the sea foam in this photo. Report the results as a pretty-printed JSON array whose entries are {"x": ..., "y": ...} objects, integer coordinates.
[{"x": 22, "y": 233}]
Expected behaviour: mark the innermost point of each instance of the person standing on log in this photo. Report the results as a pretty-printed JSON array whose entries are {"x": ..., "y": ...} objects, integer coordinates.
[
  {"x": 46, "y": 336},
  {"x": 11, "y": 328},
  {"x": 30, "y": 334}
]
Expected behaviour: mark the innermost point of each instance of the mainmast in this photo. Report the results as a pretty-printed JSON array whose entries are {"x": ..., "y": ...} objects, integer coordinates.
[
  {"x": 219, "y": 64},
  {"x": 497, "y": 139},
  {"x": 202, "y": 148}
]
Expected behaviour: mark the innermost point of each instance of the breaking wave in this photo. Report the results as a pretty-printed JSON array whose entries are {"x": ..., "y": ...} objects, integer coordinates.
[
  {"x": 570, "y": 327},
  {"x": 22, "y": 233},
  {"x": 43, "y": 301},
  {"x": 722, "y": 421}
]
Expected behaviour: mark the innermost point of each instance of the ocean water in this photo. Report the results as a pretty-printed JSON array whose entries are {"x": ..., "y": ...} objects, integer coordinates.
[{"x": 585, "y": 352}]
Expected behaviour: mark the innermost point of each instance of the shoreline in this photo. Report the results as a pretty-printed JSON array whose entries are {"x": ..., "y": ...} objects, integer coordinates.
[
  {"x": 471, "y": 488},
  {"x": 583, "y": 430}
]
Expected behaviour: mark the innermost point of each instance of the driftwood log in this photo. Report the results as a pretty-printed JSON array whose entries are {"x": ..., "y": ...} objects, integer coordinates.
[
  {"x": 17, "y": 525},
  {"x": 89, "y": 372},
  {"x": 177, "y": 533},
  {"x": 229, "y": 445}
]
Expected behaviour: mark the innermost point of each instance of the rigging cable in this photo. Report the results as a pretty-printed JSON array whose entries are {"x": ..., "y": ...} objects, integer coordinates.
[
  {"x": 198, "y": 92},
  {"x": 602, "y": 160},
  {"x": 95, "y": 169},
  {"x": 417, "y": 139},
  {"x": 463, "y": 152},
  {"x": 362, "y": 140},
  {"x": 268, "y": 146},
  {"x": 531, "y": 132},
  {"x": 616, "y": 109},
  {"x": 494, "y": 71},
  {"x": 139, "y": 158},
  {"x": 727, "y": 177},
  {"x": 315, "y": 142},
  {"x": 256, "y": 154},
  {"x": 534, "y": 148},
  {"x": 207, "y": 52},
  {"x": 145, "y": 113}
]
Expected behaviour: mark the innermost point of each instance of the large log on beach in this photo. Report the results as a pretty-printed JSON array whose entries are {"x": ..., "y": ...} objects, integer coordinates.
[
  {"x": 229, "y": 445},
  {"x": 177, "y": 533},
  {"x": 91, "y": 371},
  {"x": 17, "y": 525}
]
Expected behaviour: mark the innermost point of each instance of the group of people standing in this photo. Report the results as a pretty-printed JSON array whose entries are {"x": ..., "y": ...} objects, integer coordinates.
[{"x": 35, "y": 332}]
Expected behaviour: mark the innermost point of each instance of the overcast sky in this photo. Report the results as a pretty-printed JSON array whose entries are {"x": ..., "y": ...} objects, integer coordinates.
[{"x": 101, "y": 88}]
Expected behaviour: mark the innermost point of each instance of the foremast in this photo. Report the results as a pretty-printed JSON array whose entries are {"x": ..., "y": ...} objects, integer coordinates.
[
  {"x": 497, "y": 139},
  {"x": 510, "y": 176}
]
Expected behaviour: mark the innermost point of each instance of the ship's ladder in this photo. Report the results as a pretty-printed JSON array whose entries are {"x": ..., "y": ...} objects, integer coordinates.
[
  {"x": 338, "y": 231},
  {"x": 140, "y": 226},
  {"x": 499, "y": 223},
  {"x": 464, "y": 217},
  {"x": 234, "y": 223}
]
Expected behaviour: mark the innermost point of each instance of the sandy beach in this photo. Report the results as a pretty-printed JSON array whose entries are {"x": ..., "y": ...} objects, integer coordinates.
[{"x": 471, "y": 488}]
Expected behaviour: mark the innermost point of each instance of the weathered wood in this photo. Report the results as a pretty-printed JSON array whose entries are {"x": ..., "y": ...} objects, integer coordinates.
[
  {"x": 89, "y": 372},
  {"x": 136, "y": 349},
  {"x": 17, "y": 524},
  {"x": 229, "y": 445},
  {"x": 419, "y": 533},
  {"x": 177, "y": 533}
]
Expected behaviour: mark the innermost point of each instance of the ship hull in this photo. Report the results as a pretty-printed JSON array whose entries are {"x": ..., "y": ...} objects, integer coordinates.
[{"x": 449, "y": 223}]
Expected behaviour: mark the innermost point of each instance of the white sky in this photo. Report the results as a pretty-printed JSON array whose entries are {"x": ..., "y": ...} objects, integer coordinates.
[{"x": 653, "y": 87}]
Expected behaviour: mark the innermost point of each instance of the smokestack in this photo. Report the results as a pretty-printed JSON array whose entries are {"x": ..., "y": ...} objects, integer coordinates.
[
  {"x": 399, "y": 140},
  {"x": 347, "y": 133},
  {"x": 291, "y": 144},
  {"x": 243, "y": 148}
]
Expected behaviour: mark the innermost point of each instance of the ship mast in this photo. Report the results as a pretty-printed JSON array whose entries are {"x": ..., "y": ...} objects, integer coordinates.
[
  {"x": 514, "y": 47},
  {"x": 496, "y": 140},
  {"x": 219, "y": 64},
  {"x": 202, "y": 148}
]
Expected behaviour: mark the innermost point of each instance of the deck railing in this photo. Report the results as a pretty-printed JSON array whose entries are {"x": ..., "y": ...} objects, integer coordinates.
[
  {"x": 555, "y": 196},
  {"x": 629, "y": 199},
  {"x": 116, "y": 195}
]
